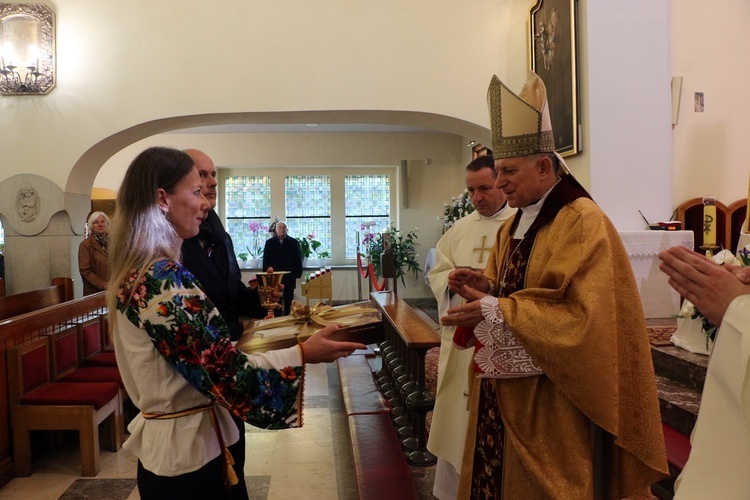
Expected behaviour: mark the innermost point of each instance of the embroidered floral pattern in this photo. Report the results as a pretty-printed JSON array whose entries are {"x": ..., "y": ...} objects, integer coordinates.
[
  {"x": 499, "y": 354},
  {"x": 191, "y": 335}
]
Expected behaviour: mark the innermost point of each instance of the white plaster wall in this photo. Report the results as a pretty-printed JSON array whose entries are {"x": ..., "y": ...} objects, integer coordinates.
[
  {"x": 121, "y": 64},
  {"x": 709, "y": 50},
  {"x": 629, "y": 109}
]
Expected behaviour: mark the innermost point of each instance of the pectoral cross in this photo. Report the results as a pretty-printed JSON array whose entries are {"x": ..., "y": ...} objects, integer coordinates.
[{"x": 482, "y": 249}]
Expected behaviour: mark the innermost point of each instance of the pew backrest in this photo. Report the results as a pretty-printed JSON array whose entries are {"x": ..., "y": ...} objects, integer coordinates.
[{"x": 22, "y": 303}]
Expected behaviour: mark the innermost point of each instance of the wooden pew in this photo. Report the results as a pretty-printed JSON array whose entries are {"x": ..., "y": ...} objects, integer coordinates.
[
  {"x": 402, "y": 378},
  {"x": 28, "y": 327},
  {"x": 22, "y": 303},
  {"x": 40, "y": 403}
]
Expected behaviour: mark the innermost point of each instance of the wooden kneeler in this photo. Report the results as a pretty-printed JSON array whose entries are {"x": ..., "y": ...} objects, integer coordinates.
[{"x": 39, "y": 404}]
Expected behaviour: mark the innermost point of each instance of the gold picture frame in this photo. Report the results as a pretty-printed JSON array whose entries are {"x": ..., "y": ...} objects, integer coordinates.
[{"x": 553, "y": 56}]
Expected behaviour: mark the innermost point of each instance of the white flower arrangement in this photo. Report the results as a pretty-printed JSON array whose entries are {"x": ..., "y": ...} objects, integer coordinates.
[{"x": 459, "y": 207}]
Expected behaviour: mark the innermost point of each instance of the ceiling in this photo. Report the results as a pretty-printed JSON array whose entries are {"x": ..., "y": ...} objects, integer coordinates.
[{"x": 305, "y": 128}]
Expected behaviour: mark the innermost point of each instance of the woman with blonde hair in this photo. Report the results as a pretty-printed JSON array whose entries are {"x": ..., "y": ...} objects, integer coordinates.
[
  {"x": 93, "y": 255},
  {"x": 173, "y": 348}
]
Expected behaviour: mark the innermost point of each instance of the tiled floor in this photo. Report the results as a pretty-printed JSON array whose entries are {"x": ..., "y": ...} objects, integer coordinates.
[{"x": 313, "y": 462}]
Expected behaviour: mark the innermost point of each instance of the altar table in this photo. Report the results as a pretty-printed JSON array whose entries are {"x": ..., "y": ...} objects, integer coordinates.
[{"x": 659, "y": 299}]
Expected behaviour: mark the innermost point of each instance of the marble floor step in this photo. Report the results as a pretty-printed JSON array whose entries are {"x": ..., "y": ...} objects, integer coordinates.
[
  {"x": 678, "y": 403},
  {"x": 680, "y": 365}
]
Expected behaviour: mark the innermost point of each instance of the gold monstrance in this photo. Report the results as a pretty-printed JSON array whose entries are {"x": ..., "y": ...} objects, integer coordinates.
[{"x": 269, "y": 283}]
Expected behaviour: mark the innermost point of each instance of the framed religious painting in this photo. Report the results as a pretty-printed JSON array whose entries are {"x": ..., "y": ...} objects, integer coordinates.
[{"x": 554, "y": 58}]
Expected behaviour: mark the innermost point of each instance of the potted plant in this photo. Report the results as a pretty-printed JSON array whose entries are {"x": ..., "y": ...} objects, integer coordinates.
[
  {"x": 242, "y": 259},
  {"x": 404, "y": 248},
  {"x": 308, "y": 246},
  {"x": 325, "y": 258},
  {"x": 257, "y": 243}
]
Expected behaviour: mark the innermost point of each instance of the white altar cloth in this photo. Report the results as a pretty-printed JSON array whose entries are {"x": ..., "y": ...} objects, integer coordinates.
[{"x": 659, "y": 299}]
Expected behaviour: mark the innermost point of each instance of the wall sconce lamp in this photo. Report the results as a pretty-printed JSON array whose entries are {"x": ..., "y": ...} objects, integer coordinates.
[{"x": 27, "y": 49}]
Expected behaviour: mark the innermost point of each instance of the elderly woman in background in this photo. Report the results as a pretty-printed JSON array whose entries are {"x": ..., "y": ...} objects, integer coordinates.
[
  {"x": 173, "y": 347},
  {"x": 93, "y": 255}
]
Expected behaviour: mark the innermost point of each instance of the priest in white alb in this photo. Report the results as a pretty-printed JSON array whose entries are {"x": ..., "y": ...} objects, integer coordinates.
[
  {"x": 467, "y": 243},
  {"x": 720, "y": 455}
]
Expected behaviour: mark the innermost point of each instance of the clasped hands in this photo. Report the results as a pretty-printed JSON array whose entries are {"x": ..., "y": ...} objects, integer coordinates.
[
  {"x": 472, "y": 285},
  {"x": 709, "y": 286}
]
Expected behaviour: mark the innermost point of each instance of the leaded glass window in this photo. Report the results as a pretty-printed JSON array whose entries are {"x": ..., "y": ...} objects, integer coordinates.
[
  {"x": 248, "y": 212},
  {"x": 308, "y": 208},
  {"x": 367, "y": 199}
]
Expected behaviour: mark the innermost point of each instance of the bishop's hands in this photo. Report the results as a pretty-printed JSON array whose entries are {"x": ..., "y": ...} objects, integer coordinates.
[
  {"x": 472, "y": 285},
  {"x": 461, "y": 278},
  {"x": 709, "y": 286}
]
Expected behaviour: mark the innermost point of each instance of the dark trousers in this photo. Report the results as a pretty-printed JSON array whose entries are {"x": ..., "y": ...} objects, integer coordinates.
[
  {"x": 238, "y": 453},
  {"x": 206, "y": 482},
  {"x": 288, "y": 297}
]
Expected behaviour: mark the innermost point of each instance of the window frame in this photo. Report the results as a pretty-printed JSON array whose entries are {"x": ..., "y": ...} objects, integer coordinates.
[{"x": 338, "y": 209}]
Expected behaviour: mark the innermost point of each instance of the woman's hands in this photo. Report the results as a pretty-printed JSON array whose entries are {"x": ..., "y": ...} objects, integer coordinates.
[{"x": 320, "y": 348}]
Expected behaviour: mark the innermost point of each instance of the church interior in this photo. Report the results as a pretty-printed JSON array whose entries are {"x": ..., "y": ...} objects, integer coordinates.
[{"x": 335, "y": 89}]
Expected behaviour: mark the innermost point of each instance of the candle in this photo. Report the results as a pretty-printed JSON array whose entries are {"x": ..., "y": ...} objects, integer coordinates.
[{"x": 709, "y": 221}]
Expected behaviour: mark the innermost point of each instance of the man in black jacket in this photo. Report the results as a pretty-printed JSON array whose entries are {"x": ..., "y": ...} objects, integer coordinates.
[
  {"x": 210, "y": 257},
  {"x": 282, "y": 253}
]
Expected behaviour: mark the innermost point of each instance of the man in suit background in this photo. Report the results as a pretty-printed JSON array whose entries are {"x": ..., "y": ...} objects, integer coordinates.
[
  {"x": 210, "y": 257},
  {"x": 282, "y": 252}
]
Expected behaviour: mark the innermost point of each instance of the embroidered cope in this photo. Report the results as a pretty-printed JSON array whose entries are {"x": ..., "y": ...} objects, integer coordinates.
[{"x": 570, "y": 301}]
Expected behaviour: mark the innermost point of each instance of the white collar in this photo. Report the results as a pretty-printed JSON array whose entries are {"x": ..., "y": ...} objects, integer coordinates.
[
  {"x": 529, "y": 214},
  {"x": 502, "y": 209}
]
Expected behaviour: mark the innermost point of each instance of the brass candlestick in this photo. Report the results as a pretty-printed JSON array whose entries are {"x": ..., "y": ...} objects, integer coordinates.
[
  {"x": 709, "y": 249},
  {"x": 269, "y": 283}
]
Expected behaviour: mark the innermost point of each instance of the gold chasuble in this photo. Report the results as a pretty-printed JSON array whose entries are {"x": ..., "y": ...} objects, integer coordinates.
[{"x": 589, "y": 426}]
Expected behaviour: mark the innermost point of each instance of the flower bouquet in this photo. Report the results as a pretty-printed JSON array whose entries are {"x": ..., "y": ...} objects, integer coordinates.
[{"x": 459, "y": 207}]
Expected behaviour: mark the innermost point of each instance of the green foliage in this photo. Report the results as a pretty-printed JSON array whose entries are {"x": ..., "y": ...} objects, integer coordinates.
[
  {"x": 324, "y": 254},
  {"x": 242, "y": 256},
  {"x": 404, "y": 248},
  {"x": 308, "y": 246}
]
